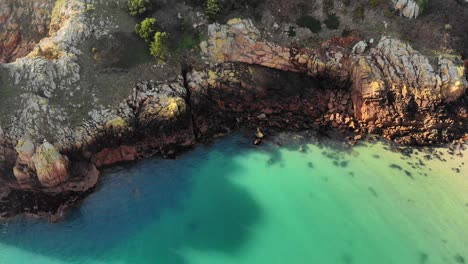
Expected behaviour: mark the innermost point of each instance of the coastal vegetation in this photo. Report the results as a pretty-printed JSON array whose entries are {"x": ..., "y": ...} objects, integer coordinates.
[
  {"x": 213, "y": 9},
  {"x": 332, "y": 21},
  {"x": 309, "y": 22},
  {"x": 422, "y": 3},
  {"x": 374, "y": 3},
  {"x": 139, "y": 7},
  {"x": 146, "y": 29},
  {"x": 159, "y": 47}
]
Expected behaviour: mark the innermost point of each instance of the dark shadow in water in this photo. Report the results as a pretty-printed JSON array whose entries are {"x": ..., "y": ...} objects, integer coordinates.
[{"x": 209, "y": 212}]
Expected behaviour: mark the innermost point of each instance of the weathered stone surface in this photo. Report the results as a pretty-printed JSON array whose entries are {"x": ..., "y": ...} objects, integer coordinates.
[
  {"x": 51, "y": 167},
  {"x": 160, "y": 105},
  {"x": 239, "y": 41},
  {"x": 26, "y": 150},
  {"x": 392, "y": 68},
  {"x": 110, "y": 156},
  {"x": 360, "y": 47},
  {"x": 409, "y": 8},
  {"x": 393, "y": 87},
  {"x": 21, "y": 21}
]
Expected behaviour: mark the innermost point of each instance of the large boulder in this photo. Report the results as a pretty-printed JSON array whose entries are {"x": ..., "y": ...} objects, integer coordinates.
[
  {"x": 410, "y": 8},
  {"x": 21, "y": 22},
  {"x": 25, "y": 149},
  {"x": 390, "y": 71},
  {"x": 51, "y": 166},
  {"x": 393, "y": 78},
  {"x": 395, "y": 90},
  {"x": 22, "y": 170}
]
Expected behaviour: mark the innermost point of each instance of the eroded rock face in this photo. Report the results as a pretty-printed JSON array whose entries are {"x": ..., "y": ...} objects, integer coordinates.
[
  {"x": 395, "y": 90},
  {"x": 42, "y": 164},
  {"x": 22, "y": 24},
  {"x": 239, "y": 41},
  {"x": 395, "y": 70},
  {"x": 410, "y": 8},
  {"x": 51, "y": 167},
  {"x": 110, "y": 156}
]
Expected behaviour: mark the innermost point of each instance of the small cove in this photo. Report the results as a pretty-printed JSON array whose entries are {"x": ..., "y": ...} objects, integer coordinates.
[{"x": 231, "y": 202}]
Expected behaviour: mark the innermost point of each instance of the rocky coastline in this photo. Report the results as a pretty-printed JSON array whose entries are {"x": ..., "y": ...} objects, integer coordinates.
[{"x": 349, "y": 85}]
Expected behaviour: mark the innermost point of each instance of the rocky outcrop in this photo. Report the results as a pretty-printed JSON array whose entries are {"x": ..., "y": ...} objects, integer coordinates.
[
  {"x": 51, "y": 167},
  {"x": 22, "y": 24},
  {"x": 410, "y": 8},
  {"x": 110, "y": 156},
  {"x": 386, "y": 88},
  {"x": 394, "y": 88},
  {"x": 44, "y": 164},
  {"x": 394, "y": 69}
]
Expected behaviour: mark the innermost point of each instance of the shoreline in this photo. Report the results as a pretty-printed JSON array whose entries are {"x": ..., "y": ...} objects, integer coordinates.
[
  {"x": 54, "y": 206},
  {"x": 244, "y": 82}
]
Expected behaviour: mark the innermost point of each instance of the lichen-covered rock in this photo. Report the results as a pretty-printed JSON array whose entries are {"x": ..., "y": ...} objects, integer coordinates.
[
  {"x": 394, "y": 73},
  {"x": 51, "y": 167},
  {"x": 360, "y": 47},
  {"x": 110, "y": 156},
  {"x": 395, "y": 89},
  {"x": 410, "y": 8},
  {"x": 21, "y": 22},
  {"x": 25, "y": 149},
  {"x": 239, "y": 41},
  {"x": 454, "y": 84}
]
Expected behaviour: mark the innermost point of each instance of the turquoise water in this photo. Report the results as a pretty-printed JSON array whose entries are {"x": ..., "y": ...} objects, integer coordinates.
[{"x": 234, "y": 203}]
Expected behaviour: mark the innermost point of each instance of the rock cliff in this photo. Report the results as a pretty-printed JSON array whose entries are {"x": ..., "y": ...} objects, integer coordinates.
[
  {"x": 345, "y": 84},
  {"x": 410, "y": 8},
  {"x": 394, "y": 88},
  {"x": 22, "y": 24}
]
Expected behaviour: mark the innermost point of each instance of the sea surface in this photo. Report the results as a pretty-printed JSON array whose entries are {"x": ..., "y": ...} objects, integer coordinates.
[{"x": 289, "y": 201}]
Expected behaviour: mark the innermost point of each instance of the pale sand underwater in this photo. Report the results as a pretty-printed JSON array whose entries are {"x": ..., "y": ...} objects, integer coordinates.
[{"x": 234, "y": 203}]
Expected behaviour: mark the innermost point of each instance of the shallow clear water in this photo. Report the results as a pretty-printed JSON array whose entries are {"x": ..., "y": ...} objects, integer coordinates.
[{"x": 234, "y": 203}]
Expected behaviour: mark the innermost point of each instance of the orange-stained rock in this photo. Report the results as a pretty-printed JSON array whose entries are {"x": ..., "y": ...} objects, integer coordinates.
[
  {"x": 51, "y": 166},
  {"x": 109, "y": 156}
]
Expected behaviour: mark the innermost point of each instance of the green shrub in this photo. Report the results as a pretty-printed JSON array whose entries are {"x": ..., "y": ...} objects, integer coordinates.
[
  {"x": 328, "y": 6},
  {"x": 138, "y": 7},
  {"x": 213, "y": 9},
  {"x": 190, "y": 41},
  {"x": 291, "y": 32},
  {"x": 332, "y": 21},
  {"x": 374, "y": 3},
  {"x": 359, "y": 13},
  {"x": 346, "y": 32},
  {"x": 146, "y": 29},
  {"x": 309, "y": 22},
  {"x": 159, "y": 47}
]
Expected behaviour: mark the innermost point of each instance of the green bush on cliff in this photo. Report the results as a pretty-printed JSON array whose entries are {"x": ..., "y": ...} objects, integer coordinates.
[
  {"x": 138, "y": 7},
  {"x": 328, "y": 6},
  {"x": 159, "y": 47},
  {"x": 146, "y": 29},
  {"x": 309, "y": 22},
  {"x": 332, "y": 21},
  {"x": 359, "y": 13},
  {"x": 213, "y": 9},
  {"x": 374, "y": 3}
]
